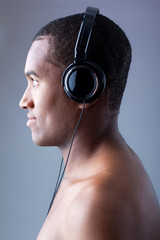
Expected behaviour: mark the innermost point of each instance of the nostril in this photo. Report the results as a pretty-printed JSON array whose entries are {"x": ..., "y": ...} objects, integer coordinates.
[
  {"x": 22, "y": 105},
  {"x": 26, "y": 100},
  {"x": 26, "y": 103}
]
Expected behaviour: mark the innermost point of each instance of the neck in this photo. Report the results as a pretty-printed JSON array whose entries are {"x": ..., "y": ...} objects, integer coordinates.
[{"x": 89, "y": 141}]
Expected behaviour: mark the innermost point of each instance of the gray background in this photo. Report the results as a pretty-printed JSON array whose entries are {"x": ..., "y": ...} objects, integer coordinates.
[{"x": 28, "y": 172}]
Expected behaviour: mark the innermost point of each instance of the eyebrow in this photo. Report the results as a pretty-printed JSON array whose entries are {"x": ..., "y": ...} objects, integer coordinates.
[{"x": 29, "y": 73}]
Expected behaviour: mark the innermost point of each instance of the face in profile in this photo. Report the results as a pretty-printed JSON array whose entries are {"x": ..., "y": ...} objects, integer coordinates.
[{"x": 50, "y": 111}]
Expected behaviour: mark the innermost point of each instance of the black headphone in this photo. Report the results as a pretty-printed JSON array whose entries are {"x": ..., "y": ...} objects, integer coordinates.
[{"x": 84, "y": 81}]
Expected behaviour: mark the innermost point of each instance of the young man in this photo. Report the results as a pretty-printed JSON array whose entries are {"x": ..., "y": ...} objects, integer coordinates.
[{"x": 105, "y": 193}]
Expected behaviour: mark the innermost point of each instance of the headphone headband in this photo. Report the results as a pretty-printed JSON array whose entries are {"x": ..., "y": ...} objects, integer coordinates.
[
  {"x": 84, "y": 81},
  {"x": 85, "y": 34}
]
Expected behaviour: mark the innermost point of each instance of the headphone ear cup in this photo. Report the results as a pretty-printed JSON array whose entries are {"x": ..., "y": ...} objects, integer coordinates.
[{"x": 85, "y": 82}]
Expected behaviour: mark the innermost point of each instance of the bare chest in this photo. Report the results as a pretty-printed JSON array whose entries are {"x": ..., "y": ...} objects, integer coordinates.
[{"x": 55, "y": 224}]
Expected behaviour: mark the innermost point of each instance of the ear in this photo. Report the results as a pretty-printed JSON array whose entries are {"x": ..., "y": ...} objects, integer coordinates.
[{"x": 87, "y": 105}]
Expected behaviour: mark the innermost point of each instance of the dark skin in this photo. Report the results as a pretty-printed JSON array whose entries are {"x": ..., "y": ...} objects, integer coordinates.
[{"x": 106, "y": 193}]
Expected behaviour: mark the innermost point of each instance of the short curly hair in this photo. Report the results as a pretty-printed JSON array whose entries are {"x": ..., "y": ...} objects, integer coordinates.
[{"x": 108, "y": 47}]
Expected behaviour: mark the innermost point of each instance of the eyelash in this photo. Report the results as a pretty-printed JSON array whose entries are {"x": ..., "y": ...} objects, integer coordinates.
[{"x": 35, "y": 82}]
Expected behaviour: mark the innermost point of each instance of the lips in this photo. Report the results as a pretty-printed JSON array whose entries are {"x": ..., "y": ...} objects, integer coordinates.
[{"x": 31, "y": 120}]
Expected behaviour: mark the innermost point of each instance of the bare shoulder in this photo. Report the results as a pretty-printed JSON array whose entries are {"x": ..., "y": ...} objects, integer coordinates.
[
  {"x": 90, "y": 214},
  {"x": 103, "y": 210}
]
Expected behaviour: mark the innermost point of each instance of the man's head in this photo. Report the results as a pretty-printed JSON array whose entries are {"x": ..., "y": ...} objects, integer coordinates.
[
  {"x": 108, "y": 47},
  {"x": 52, "y": 114}
]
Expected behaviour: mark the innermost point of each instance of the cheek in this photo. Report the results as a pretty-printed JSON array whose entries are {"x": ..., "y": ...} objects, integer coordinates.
[
  {"x": 55, "y": 111},
  {"x": 52, "y": 105}
]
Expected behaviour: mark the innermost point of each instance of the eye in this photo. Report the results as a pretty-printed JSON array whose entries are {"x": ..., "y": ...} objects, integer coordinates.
[{"x": 35, "y": 82}]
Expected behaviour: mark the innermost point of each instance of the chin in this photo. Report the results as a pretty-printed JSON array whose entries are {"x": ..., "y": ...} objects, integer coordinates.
[
  {"x": 40, "y": 141},
  {"x": 43, "y": 141}
]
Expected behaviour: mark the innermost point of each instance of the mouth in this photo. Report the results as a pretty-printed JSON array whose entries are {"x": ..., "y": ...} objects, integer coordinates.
[{"x": 31, "y": 121}]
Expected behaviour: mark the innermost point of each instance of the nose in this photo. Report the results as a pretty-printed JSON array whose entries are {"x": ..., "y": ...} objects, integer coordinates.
[{"x": 26, "y": 100}]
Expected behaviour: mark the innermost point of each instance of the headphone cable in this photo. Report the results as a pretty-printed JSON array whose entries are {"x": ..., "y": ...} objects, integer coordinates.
[{"x": 60, "y": 176}]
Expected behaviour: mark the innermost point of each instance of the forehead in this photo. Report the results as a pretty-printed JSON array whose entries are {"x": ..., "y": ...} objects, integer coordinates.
[{"x": 37, "y": 54}]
